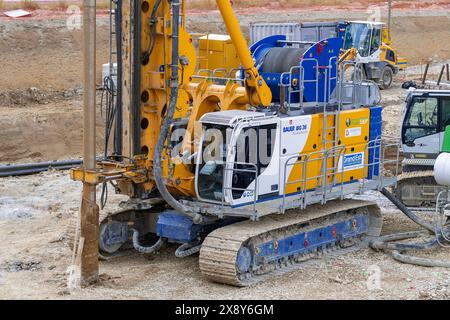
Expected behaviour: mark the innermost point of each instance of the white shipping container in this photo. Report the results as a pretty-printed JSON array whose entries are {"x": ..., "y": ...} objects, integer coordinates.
[{"x": 311, "y": 32}]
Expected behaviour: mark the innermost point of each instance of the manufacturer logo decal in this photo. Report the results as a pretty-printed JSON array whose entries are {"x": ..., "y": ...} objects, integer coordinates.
[
  {"x": 351, "y": 161},
  {"x": 301, "y": 128},
  {"x": 356, "y": 122}
]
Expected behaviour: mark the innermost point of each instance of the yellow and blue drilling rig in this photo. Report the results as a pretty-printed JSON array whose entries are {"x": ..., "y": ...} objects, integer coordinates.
[{"x": 253, "y": 167}]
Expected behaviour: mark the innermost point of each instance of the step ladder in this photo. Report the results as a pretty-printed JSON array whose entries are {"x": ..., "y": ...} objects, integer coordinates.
[{"x": 332, "y": 149}]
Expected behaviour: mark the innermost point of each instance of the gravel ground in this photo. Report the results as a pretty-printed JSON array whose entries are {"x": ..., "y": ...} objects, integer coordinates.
[{"x": 34, "y": 256}]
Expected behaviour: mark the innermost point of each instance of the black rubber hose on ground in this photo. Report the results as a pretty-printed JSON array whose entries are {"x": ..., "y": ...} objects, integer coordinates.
[
  {"x": 411, "y": 215},
  {"x": 423, "y": 262},
  {"x": 398, "y": 248},
  {"x": 187, "y": 249},
  {"x": 157, "y": 159},
  {"x": 382, "y": 243},
  {"x": 146, "y": 250}
]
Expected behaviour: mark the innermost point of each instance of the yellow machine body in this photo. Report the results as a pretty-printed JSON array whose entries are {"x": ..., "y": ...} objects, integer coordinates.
[
  {"x": 215, "y": 52},
  {"x": 353, "y": 128}
]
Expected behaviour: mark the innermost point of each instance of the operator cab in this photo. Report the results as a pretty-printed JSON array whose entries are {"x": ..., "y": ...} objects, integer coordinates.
[
  {"x": 228, "y": 174},
  {"x": 364, "y": 36},
  {"x": 425, "y": 116}
]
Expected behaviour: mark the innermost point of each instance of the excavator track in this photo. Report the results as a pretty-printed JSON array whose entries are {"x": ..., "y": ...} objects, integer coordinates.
[
  {"x": 224, "y": 249},
  {"x": 417, "y": 189}
]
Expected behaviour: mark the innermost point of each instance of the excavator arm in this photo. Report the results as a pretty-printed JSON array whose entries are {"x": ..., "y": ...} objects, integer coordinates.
[{"x": 257, "y": 90}]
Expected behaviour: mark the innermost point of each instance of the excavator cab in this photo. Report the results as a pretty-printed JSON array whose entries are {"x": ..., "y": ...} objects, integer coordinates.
[
  {"x": 234, "y": 162},
  {"x": 426, "y": 115}
]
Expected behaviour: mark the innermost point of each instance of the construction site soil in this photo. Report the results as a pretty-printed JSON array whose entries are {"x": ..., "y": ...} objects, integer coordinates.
[{"x": 41, "y": 119}]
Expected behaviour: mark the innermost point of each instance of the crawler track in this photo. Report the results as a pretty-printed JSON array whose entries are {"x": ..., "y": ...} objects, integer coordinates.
[
  {"x": 417, "y": 189},
  {"x": 220, "y": 249}
]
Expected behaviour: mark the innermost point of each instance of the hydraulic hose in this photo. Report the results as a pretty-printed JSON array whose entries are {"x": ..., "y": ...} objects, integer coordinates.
[
  {"x": 406, "y": 211},
  {"x": 157, "y": 158},
  {"x": 146, "y": 250},
  {"x": 152, "y": 23},
  {"x": 398, "y": 248},
  {"x": 187, "y": 249},
  {"x": 382, "y": 242},
  {"x": 423, "y": 262}
]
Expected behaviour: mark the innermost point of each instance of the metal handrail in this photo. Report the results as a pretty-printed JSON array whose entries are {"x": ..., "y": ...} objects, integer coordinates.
[
  {"x": 290, "y": 84},
  {"x": 312, "y": 81},
  {"x": 337, "y": 152}
]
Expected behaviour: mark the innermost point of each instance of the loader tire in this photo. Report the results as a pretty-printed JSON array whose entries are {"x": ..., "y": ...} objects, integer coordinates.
[{"x": 387, "y": 77}]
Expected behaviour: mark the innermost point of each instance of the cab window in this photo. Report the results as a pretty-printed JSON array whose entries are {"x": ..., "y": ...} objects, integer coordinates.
[
  {"x": 358, "y": 35},
  {"x": 376, "y": 40},
  {"x": 421, "y": 119}
]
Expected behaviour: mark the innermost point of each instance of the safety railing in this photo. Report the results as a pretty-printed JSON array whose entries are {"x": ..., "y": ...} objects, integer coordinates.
[
  {"x": 305, "y": 161},
  {"x": 335, "y": 154},
  {"x": 333, "y": 65},
  {"x": 330, "y": 178},
  {"x": 353, "y": 84},
  {"x": 291, "y": 84},
  {"x": 296, "y": 79}
]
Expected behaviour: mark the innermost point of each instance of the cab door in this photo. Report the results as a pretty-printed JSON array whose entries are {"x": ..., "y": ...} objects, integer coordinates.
[
  {"x": 420, "y": 133},
  {"x": 444, "y": 117},
  {"x": 253, "y": 159}
]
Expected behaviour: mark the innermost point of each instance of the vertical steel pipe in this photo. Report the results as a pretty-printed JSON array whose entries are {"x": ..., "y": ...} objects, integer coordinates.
[
  {"x": 136, "y": 78},
  {"x": 441, "y": 74},
  {"x": 89, "y": 73},
  {"x": 119, "y": 110},
  {"x": 425, "y": 74},
  {"x": 89, "y": 228}
]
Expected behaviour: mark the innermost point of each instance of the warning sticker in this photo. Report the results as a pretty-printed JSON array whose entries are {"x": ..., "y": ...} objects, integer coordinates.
[{"x": 352, "y": 132}]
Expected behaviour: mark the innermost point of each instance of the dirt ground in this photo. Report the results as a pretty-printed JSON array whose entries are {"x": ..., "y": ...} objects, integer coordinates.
[
  {"x": 34, "y": 257},
  {"x": 41, "y": 119}
]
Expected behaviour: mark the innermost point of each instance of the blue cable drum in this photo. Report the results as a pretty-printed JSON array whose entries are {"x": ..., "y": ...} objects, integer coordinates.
[{"x": 274, "y": 57}]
